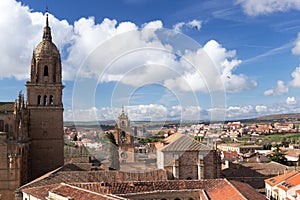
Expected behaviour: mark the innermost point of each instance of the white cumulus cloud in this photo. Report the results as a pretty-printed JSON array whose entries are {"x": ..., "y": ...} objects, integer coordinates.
[
  {"x": 261, "y": 108},
  {"x": 295, "y": 82},
  {"x": 213, "y": 71},
  {"x": 263, "y": 7},
  {"x": 296, "y": 49},
  {"x": 291, "y": 101},
  {"x": 280, "y": 89},
  {"x": 197, "y": 24}
]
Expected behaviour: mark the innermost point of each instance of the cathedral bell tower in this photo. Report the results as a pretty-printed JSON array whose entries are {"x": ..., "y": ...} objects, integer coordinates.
[
  {"x": 44, "y": 102},
  {"x": 124, "y": 139}
]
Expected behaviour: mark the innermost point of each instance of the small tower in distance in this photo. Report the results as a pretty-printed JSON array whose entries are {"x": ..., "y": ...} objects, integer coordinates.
[{"x": 124, "y": 138}]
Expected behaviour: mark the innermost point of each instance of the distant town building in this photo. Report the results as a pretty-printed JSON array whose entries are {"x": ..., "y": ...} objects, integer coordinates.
[
  {"x": 239, "y": 148},
  {"x": 285, "y": 186},
  {"x": 185, "y": 158}
]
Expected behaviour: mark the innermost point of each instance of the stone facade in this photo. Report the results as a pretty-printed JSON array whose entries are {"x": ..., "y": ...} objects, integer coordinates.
[
  {"x": 31, "y": 131},
  {"x": 187, "y": 159},
  {"x": 124, "y": 139}
]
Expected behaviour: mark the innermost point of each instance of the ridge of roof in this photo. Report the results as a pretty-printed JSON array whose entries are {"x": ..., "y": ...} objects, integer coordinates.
[
  {"x": 234, "y": 187},
  {"x": 246, "y": 190},
  {"x": 182, "y": 142}
]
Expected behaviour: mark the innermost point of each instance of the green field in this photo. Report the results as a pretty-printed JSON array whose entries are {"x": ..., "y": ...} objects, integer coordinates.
[{"x": 280, "y": 137}]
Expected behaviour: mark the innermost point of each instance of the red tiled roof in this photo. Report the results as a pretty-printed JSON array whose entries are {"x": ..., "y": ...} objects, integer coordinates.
[
  {"x": 278, "y": 179},
  {"x": 290, "y": 182},
  {"x": 58, "y": 176},
  {"x": 213, "y": 189},
  {"x": 246, "y": 190},
  {"x": 65, "y": 190},
  {"x": 40, "y": 192},
  {"x": 7, "y": 106},
  {"x": 224, "y": 191},
  {"x": 230, "y": 154},
  {"x": 181, "y": 142}
]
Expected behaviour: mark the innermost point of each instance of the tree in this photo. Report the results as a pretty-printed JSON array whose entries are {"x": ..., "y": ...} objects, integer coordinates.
[
  {"x": 278, "y": 156},
  {"x": 113, "y": 152}
]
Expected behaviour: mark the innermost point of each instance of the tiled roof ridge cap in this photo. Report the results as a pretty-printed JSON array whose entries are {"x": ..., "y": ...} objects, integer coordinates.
[
  {"x": 239, "y": 192},
  {"x": 42, "y": 186},
  {"x": 47, "y": 175},
  {"x": 204, "y": 193},
  {"x": 78, "y": 188},
  {"x": 158, "y": 191}
]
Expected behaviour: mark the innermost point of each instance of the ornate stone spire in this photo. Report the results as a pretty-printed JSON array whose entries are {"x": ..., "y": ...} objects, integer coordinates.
[{"x": 47, "y": 30}]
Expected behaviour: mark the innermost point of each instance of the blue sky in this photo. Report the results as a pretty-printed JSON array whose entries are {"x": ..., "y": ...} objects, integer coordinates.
[{"x": 162, "y": 60}]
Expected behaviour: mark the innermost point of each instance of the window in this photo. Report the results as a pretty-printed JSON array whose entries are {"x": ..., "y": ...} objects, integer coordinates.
[
  {"x": 45, "y": 100},
  {"x": 51, "y": 100},
  {"x": 1, "y": 125},
  {"x": 39, "y": 100},
  {"x": 123, "y": 134},
  {"x": 46, "y": 70}
]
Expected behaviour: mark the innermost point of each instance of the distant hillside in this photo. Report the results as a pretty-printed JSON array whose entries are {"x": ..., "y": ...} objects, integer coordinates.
[{"x": 279, "y": 117}]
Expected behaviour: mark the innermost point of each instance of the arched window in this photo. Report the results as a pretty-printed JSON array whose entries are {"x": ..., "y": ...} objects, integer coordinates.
[
  {"x": 1, "y": 125},
  {"x": 39, "y": 100},
  {"x": 51, "y": 100},
  {"x": 46, "y": 70},
  {"x": 45, "y": 100},
  {"x": 123, "y": 134}
]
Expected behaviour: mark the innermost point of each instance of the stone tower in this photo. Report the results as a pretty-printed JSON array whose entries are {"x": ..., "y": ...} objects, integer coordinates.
[
  {"x": 124, "y": 138},
  {"x": 124, "y": 132},
  {"x": 45, "y": 107}
]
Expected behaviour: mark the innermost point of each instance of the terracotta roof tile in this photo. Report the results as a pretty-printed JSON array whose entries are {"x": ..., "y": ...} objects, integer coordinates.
[
  {"x": 207, "y": 189},
  {"x": 40, "y": 192},
  {"x": 290, "y": 182},
  {"x": 7, "y": 106},
  {"x": 58, "y": 176},
  {"x": 181, "y": 142},
  {"x": 225, "y": 192},
  {"x": 65, "y": 190},
  {"x": 247, "y": 191},
  {"x": 213, "y": 189},
  {"x": 278, "y": 179}
]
